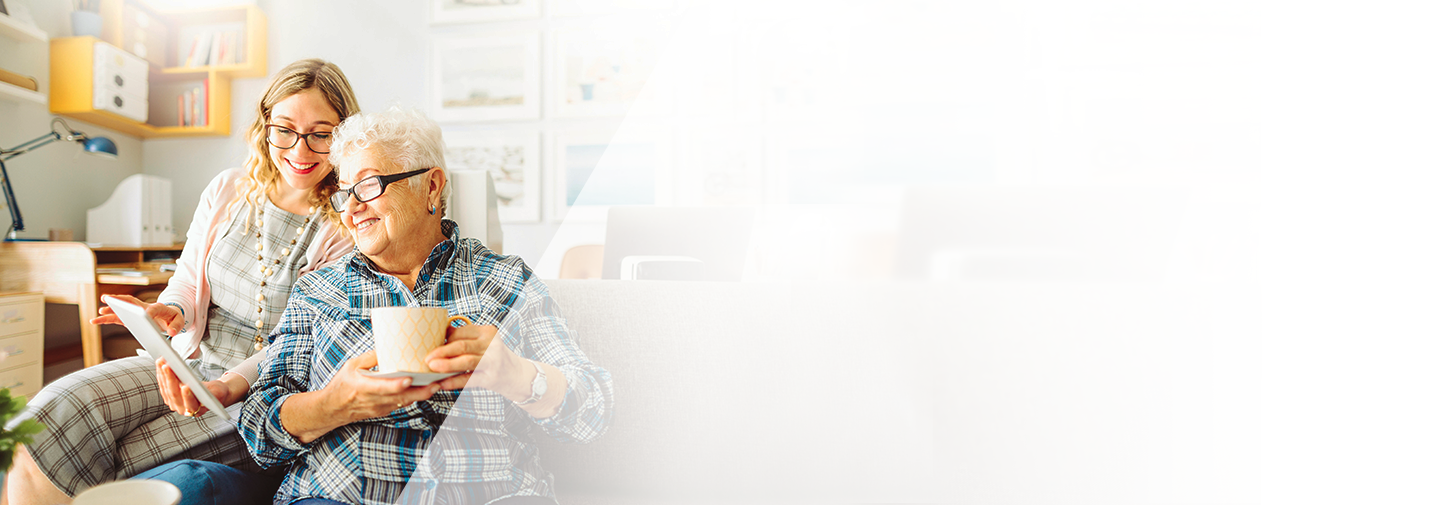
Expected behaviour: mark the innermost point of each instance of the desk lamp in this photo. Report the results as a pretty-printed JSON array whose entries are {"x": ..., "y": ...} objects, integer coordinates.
[{"x": 99, "y": 146}]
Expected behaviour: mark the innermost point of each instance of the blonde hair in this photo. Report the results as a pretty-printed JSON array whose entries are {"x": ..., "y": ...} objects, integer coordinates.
[
  {"x": 405, "y": 137},
  {"x": 261, "y": 174}
]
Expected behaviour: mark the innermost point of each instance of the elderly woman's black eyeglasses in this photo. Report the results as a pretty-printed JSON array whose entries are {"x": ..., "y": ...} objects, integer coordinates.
[
  {"x": 369, "y": 188},
  {"x": 285, "y": 138}
]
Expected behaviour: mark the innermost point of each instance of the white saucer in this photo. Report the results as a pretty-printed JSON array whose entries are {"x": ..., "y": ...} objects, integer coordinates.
[{"x": 416, "y": 378}]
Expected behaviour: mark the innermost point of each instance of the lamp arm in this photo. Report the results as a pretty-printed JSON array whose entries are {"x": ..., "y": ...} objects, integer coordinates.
[
  {"x": 47, "y": 138},
  {"x": 17, "y": 223}
]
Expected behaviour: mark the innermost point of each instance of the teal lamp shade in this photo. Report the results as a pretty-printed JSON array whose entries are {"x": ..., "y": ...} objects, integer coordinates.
[{"x": 101, "y": 146}]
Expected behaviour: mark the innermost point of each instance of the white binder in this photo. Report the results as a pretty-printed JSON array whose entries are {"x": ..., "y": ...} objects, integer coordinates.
[{"x": 136, "y": 214}]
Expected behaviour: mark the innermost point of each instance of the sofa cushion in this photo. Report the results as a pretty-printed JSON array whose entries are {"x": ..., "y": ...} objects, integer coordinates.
[{"x": 737, "y": 391}]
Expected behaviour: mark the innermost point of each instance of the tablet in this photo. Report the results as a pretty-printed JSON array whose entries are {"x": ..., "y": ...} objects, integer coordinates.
[{"x": 143, "y": 327}]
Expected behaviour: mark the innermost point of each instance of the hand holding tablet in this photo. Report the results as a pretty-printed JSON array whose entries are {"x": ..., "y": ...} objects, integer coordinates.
[{"x": 151, "y": 337}]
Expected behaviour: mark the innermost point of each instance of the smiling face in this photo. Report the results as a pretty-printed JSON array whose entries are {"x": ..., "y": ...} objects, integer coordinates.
[
  {"x": 389, "y": 227},
  {"x": 303, "y": 112}
]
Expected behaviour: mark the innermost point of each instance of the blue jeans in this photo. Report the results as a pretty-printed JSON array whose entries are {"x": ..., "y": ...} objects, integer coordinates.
[{"x": 210, "y": 483}]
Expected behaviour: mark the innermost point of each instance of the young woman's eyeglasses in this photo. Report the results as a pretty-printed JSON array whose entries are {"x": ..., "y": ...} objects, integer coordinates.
[
  {"x": 369, "y": 188},
  {"x": 285, "y": 138}
]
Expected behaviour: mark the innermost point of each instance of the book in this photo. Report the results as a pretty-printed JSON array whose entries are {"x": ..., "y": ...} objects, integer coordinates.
[
  {"x": 185, "y": 107},
  {"x": 195, "y": 115},
  {"x": 224, "y": 49},
  {"x": 201, "y": 50},
  {"x": 218, "y": 39},
  {"x": 122, "y": 271},
  {"x": 189, "y": 60},
  {"x": 202, "y": 104}
]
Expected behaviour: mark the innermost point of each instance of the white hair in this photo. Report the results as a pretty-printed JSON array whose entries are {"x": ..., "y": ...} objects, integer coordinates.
[{"x": 405, "y": 137}]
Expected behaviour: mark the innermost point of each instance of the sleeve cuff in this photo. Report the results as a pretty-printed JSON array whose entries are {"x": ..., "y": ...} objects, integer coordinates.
[
  {"x": 185, "y": 314},
  {"x": 249, "y": 369},
  {"x": 567, "y": 407},
  {"x": 277, "y": 432}
]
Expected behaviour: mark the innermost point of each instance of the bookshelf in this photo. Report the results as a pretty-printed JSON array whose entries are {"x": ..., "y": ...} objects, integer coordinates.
[
  {"x": 157, "y": 36},
  {"x": 16, "y": 93},
  {"x": 24, "y": 34},
  {"x": 20, "y": 31}
]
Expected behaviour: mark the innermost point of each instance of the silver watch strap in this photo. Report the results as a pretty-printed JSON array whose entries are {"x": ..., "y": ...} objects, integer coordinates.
[{"x": 539, "y": 378}]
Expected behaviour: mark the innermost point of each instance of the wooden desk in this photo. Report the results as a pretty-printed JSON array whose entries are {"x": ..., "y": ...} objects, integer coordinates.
[{"x": 65, "y": 273}]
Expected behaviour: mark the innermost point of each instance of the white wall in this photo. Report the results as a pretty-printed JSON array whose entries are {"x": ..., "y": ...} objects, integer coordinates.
[
  {"x": 54, "y": 184},
  {"x": 380, "y": 45}
]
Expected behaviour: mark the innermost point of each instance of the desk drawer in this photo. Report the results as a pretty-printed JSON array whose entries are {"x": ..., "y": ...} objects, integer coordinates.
[
  {"x": 22, "y": 350},
  {"x": 23, "y": 380},
  {"x": 18, "y": 315}
]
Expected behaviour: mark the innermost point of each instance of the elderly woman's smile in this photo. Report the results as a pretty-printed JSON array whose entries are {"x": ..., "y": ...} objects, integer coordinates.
[{"x": 397, "y": 225}]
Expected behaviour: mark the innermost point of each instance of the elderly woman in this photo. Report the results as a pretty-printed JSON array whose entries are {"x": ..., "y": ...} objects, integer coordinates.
[{"x": 353, "y": 438}]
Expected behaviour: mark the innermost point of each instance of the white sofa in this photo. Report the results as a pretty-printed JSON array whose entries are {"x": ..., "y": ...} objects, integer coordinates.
[{"x": 740, "y": 393}]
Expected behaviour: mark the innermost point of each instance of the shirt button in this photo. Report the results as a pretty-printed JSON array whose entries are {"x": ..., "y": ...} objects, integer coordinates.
[{"x": 430, "y": 484}]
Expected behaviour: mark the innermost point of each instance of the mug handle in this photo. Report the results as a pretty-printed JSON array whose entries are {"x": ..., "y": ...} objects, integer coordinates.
[{"x": 452, "y": 319}]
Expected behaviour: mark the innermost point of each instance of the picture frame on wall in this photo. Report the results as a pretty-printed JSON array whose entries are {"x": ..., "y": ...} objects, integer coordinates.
[
  {"x": 590, "y": 171},
  {"x": 485, "y": 78},
  {"x": 593, "y": 7},
  {"x": 513, "y": 160},
  {"x": 610, "y": 69},
  {"x": 719, "y": 166},
  {"x": 471, "y": 11}
]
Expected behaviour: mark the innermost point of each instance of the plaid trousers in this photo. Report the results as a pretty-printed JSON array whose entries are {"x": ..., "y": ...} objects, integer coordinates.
[{"x": 108, "y": 422}]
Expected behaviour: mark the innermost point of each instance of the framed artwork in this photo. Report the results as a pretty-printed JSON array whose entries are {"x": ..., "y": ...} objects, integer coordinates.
[
  {"x": 609, "y": 70},
  {"x": 486, "y": 78},
  {"x": 513, "y": 160},
  {"x": 707, "y": 81},
  {"x": 592, "y": 7},
  {"x": 719, "y": 166},
  {"x": 468, "y": 11},
  {"x": 801, "y": 73},
  {"x": 817, "y": 165},
  {"x": 590, "y": 171}
]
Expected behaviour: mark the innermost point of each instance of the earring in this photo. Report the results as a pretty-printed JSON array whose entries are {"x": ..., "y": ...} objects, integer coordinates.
[{"x": 432, "y": 209}]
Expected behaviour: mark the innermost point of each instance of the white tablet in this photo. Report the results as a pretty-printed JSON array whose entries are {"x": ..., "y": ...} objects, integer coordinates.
[{"x": 153, "y": 338}]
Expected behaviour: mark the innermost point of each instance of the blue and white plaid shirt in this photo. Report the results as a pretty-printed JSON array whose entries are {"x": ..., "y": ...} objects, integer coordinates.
[{"x": 469, "y": 446}]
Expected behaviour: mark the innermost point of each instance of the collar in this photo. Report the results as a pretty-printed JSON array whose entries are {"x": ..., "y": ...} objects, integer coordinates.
[{"x": 440, "y": 255}]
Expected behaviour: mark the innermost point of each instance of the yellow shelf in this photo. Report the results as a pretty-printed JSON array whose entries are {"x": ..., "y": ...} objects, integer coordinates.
[
  {"x": 72, "y": 73},
  {"x": 250, "y": 15}
]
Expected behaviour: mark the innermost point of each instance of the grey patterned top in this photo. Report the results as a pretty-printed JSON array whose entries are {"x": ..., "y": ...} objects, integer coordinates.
[{"x": 236, "y": 286}]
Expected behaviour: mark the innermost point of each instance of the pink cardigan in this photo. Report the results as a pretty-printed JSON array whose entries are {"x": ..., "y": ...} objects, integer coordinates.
[{"x": 190, "y": 288}]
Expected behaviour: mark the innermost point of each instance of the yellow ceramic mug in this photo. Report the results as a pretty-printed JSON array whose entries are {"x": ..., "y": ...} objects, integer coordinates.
[{"x": 404, "y": 335}]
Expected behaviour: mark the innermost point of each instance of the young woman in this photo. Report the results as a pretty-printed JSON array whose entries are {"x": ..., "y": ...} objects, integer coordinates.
[{"x": 256, "y": 230}]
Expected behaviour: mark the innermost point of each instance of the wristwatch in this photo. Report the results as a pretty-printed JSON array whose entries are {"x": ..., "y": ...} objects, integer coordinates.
[{"x": 537, "y": 386}]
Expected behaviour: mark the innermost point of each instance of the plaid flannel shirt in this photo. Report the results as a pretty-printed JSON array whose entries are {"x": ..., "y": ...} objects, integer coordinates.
[{"x": 468, "y": 446}]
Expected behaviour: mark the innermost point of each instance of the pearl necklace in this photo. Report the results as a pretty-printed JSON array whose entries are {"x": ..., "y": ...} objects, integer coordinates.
[{"x": 269, "y": 268}]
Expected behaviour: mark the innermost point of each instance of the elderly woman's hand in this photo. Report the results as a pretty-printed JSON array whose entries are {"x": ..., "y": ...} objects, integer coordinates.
[
  {"x": 229, "y": 389},
  {"x": 353, "y": 397},
  {"x": 488, "y": 363}
]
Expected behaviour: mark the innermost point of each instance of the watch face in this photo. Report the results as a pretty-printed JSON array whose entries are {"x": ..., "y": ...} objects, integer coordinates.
[{"x": 537, "y": 388}]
